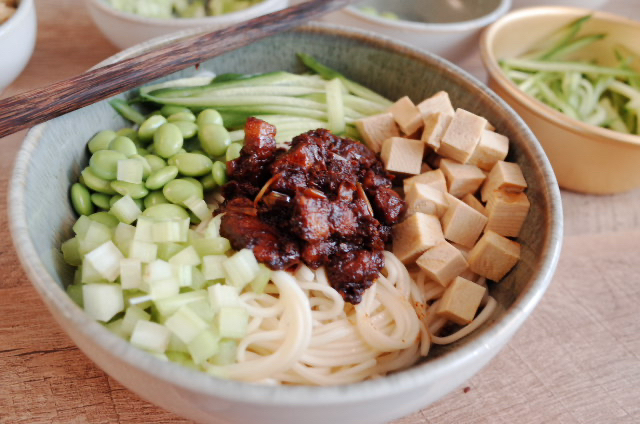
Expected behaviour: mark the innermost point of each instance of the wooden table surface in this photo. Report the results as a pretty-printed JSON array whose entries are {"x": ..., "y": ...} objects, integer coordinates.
[{"x": 576, "y": 360}]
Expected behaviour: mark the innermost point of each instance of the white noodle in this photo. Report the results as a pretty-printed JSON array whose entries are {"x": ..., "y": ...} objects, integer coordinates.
[{"x": 302, "y": 332}]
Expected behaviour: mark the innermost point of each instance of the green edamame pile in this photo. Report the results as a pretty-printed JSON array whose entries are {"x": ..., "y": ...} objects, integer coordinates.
[{"x": 171, "y": 157}]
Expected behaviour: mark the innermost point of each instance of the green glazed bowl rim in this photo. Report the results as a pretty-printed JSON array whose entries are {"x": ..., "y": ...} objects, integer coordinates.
[{"x": 416, "y": 377}]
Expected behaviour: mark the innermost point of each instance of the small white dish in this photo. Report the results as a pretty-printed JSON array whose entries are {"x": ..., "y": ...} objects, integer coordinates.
[
  {"x": 17, "y": 41},
  {"x": 448, "y": 28},
  {"x": 125, "y": 29}
]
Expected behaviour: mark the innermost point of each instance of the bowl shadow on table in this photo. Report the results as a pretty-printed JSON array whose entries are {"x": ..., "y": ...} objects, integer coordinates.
[{"x": 55, "y": 153}]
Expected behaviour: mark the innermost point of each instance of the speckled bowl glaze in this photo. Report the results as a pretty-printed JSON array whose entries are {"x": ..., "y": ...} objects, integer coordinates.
[{"x": 41, "y": 217}]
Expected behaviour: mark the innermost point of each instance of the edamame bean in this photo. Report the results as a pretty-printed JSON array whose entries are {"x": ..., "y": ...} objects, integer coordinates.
[
  {"x": 81, "y": 199},
  {"x": 130, "y": 133},
  {"x": 96, "y": 183},
  {"x": 214, "y": 139},
  {"x": 155, "y": 162},
  {"x": 166, "y": 211},
  {"x": 105, "y": 218},
  {"x": 208, "y": 183},
  {"x": 114, "y": 199},
  {"x": 188, "y": 129},
  {"x": 149, "y": 127},
  {"x": 104, "y": 163},
  {"x": 101, "y": 200},
  {"x": 182, "y": 116},
  {"x": 195, "y": 183},
  {"x": 179, "y": 190},
  {"x": 101, "y": 141},
  {"x": 155, "y": 198},
  {"x": 219, "y": 172},
  {"x": 146, "y": 168},
  {"x": 168, "y": 110},
  {"x": 167, "y": 140},
  {"x": 192, "y": 164},
  {"x": 209, "y": 116},
  {"x": 142, "y": 151},
  {"x": 233, "y": 151},
  {"x": 161, "y": 177},
  {"x": 136, "y": 191},
  {"x": 123, "y": 145}
]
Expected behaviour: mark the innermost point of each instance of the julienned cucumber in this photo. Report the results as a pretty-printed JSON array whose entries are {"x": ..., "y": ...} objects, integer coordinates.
[
  {"x": 237, "y": 96},
  {"x": 607, "y": 96}
]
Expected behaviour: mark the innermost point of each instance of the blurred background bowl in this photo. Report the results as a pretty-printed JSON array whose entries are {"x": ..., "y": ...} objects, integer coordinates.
[
  {"x": 585, "y": 158},
  {"x": 585, "y": 4},
  {"x": 448, "y": 28},
  {"x": 126, "y": 29},
  {"x": 17, "y": 41},
  {"x": 41, "y": 217}
]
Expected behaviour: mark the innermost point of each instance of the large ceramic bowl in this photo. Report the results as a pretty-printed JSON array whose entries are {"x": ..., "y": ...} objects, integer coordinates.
[
  {"x": 41, "y": 217},
  {"x": 448, "y": 28},
  {"x": 585, "y": 158},
  {"x": 17, "y": 41},
  {"x": 126, "y": 29}
]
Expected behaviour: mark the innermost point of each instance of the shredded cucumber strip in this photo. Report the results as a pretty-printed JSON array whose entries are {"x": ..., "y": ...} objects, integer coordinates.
[
  {"x": 608, "y": 96},
  {"x": 564, "y": 66}
]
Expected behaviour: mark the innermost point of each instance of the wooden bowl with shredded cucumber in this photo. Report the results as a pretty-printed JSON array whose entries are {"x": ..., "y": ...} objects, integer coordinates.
[{"x": 574, "y": 76}]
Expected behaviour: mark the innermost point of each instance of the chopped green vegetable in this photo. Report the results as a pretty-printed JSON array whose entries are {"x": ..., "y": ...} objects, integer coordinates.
[
  {"x": 167, "y": 9},
  {"x": 606, "y": 96}
]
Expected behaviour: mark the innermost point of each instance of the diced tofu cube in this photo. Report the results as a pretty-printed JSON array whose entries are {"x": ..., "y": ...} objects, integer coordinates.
[
  {"x": 426, "y": 199},
  {"x": 435, "y": 126},
  {"x": 467, "y": 273},
  {"x": 461, "y": 223},
  {"x": 460, "y": 301},
  {"x": 506, "y": 176},
  {"x": 414, "y": 235},
  {"x": 493, "y": 256},
  {"x": 461, "y": 179},
  {"x": 462, "y": 136},
  {"x": 376, "y": 129},
  {"x": 402, "y": 155},
  {"x": 433, "y": 178},
  {"x": 491, "y": 148},
  {"x": 476, "y": 204},
  {"x": 406, "y": 115},
  {"x": 442, "y": 263},
  {"x": 490, "y": 127},
  {"x": 438, "y": 103},
  {"x": 507, "y": 212},
  {"x": 424, "y": 167}
]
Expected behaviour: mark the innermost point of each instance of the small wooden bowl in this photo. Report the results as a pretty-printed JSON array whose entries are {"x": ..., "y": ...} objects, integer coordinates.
[{"x": 584, "y": 157}]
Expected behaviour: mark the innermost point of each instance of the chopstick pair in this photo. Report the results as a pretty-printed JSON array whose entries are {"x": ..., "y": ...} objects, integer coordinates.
[{"x": 36, "y": 106}]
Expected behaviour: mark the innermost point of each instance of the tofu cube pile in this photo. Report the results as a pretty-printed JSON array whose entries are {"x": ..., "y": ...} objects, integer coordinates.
[{"x": 466, "y": 203}]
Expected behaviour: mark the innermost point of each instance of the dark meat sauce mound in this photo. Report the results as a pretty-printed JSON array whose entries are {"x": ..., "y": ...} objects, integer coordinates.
[{"x": 325, "y": 201}]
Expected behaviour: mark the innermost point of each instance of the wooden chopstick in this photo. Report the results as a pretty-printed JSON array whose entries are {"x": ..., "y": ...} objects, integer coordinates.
[{"x": 36, "y": 106}]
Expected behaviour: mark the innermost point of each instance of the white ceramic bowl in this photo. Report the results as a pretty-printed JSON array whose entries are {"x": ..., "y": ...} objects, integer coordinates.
[
  {"x": 41, "y": 218},
  {"x": 17, "y": 41},
  {"x": 585, "y": 4},
  {"x": 125, "y": 29},
  {"x": 448, "y": 28}
]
